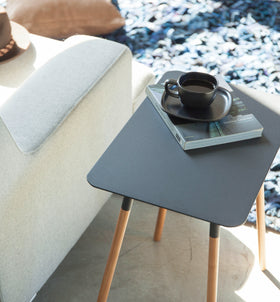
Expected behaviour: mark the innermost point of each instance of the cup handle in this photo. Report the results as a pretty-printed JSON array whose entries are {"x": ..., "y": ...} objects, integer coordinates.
[{"x": 168, "y": 91}]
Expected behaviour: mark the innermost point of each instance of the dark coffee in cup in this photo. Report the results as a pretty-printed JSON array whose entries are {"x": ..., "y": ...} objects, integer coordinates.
[
  {"x": 198, "y": 86},
  {"x": 194, "y": 89}
]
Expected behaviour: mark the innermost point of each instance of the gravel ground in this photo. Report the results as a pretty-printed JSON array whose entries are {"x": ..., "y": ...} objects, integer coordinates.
[{"x": 238, "y": 39}]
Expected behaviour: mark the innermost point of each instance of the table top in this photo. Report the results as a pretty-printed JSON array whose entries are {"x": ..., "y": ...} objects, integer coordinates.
[{"x": 217, "y": 184}]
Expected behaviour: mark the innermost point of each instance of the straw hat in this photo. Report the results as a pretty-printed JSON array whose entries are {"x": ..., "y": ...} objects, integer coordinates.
[{"x": 14, "y": 38}]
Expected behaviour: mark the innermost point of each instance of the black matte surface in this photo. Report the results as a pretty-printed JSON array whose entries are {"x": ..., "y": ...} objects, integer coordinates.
[
  {"x": 214, "y": 230},
  {"x": 216, "y": 184},
  {"x": 126, "y": 204}
]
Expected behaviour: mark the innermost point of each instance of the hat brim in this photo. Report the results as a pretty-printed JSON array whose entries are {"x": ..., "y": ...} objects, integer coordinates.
[{"x": 21, "y": 37}]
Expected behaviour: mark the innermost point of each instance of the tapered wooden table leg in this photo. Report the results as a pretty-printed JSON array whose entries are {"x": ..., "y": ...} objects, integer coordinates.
[
  {"x": 160, "y": 224},
  {"x": 261, "y": 227},
  {"x": 115, "y": 250},
  {"x": 213, "y": 263}
]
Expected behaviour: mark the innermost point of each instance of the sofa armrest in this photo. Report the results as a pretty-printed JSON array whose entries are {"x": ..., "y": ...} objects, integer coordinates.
[
  {"x": 45, "y": 200},
  {"x": 47, "y": 98}
]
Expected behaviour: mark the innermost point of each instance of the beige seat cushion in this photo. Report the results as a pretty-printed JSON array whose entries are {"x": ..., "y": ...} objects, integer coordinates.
[
  {"x": 63, "y": 18},
  {"x": 142, "y": 76}
]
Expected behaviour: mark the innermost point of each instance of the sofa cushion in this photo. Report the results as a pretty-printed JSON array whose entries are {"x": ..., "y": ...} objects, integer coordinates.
[
  {"x": 45, "y": 99},
  {"x": 142, "y": 76},
  {"x": 63, "y": 18}
]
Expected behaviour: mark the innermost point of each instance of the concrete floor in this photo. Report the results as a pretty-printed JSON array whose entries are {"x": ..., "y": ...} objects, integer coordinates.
[{"x": 174, "y": 269}]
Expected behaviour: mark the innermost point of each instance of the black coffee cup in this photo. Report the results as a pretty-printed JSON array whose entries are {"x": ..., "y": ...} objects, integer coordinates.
[{"x": 195, "y": 89}]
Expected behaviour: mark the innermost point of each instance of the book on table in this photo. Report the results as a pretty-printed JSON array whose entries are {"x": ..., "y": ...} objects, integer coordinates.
[{"x": 237, "y": 125}]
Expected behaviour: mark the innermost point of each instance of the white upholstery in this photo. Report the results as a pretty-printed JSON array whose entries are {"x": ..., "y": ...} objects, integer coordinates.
[
  {"x": 140, "y": 78},
  {"x": 141, "y": 74},
  {"x": 45, "y": 200},
  {"x": 15, "y": 72},
  {"x": 49, "y": 97}
]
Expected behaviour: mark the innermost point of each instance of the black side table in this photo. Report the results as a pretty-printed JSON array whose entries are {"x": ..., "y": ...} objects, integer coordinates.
[{"x": 146, "y": 163}]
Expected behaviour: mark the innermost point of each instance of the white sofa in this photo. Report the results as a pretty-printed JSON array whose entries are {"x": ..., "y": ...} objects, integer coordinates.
[{"x": 62, "y": 103}]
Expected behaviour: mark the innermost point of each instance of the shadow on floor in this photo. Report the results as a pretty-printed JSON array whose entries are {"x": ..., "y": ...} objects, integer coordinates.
[
  {"x": 169, "y": 270},
  {"x": 272, "y": 278}
]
